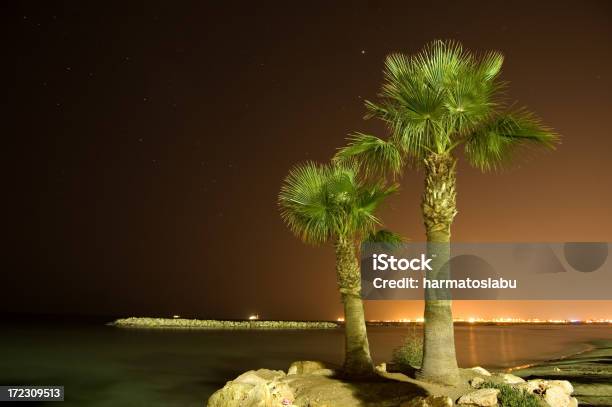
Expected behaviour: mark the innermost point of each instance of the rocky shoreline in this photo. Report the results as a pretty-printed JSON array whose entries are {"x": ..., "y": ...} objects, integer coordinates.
[
  {"x": 182, "y": 323},
  {"x": 313, "y": 384},
  {"x": 590, "y": 372},
  {"x": 582, "y": 379}
]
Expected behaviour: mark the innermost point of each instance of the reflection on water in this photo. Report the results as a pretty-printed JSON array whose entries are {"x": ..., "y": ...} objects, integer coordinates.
[
  {"x": 472, "y": 353},
  {"x": 106, "y": 366}
]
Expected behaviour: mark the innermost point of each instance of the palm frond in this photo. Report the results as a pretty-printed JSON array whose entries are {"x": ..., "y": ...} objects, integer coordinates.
[
  {"x": 319, "y": 202},
  {"x": 384, "y": 236},
  {"x": 433, "y": 99},
  {"x": 489, "y": 146},
  {"x": 371, "y": 196},
  {"x": 440, "y": 62},
  {"x": 372, "y": 154},
  {"x": 490, "y": 65},
  {"x": 304, "y": 205}
]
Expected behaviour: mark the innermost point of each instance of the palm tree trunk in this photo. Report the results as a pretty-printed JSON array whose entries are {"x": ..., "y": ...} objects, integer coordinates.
[
  {"x": 439, "y": 210},
  {"x": 357, "y": 360}
]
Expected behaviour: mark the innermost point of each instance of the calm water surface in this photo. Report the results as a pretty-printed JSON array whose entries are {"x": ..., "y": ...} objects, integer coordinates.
[{"x": 106, "y": 366}]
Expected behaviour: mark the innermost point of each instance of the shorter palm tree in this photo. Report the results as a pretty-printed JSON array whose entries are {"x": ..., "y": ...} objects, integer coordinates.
[{"x": 331, "y": 203}]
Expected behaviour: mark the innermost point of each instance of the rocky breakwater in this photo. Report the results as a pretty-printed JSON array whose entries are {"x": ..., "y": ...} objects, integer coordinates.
[{"x": 183, "y": 323}]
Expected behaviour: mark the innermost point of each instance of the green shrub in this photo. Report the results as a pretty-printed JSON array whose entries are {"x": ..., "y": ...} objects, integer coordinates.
[
  {"x": 410, "y": 353},
  {"x": 512, "y": 397}
]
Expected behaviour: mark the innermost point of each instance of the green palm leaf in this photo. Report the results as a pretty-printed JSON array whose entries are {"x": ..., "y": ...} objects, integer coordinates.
[
  {"x": 493, "y": 143},
  {"x": 386, "y": 237},
  {"x": 303, "y": 203},
  {"x": 437, "y": 99},
  {"x": 320, "y": 202},
  {"x": 374, "y": 155}
]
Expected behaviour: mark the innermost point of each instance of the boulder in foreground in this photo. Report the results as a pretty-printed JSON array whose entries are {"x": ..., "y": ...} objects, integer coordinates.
[
  {"x": 305, "y": 367},
  {"x": 481, "y": 371},
  {"x": 557, "y": 397},
  {"x": 511, "y": 379},
  {"x": 254, "y": 388},
  {"x": 482, "y": 397},
  {"x": 477, "y": 382}
]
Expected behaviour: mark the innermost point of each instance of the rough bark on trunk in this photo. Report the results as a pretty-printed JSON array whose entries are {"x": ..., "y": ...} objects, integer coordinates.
[
  {"x": 357, "y": 360},
  {"x": 439, "y": 209}
]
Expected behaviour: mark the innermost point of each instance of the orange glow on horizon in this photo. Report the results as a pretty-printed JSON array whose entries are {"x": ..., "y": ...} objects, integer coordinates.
[
  {"x": 504, "y": 320},
  {"x": 498, "y": 311}
]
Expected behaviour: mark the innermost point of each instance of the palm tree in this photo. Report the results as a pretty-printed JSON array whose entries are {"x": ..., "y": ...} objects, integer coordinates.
[
  {"x": 330, "y": 203},
  {"x": 433, "y": 102}
]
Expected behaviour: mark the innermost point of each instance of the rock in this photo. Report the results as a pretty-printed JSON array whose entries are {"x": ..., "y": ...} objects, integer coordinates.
[
  {"x": 537, "y": 386},
  {"x": 255, "y": 388},
  {"x": 230, "y": 395},
  {"x": 269, "y": 395},
  {"x": 556, "y": 397},
  {"x": 511, "y": 379},
  {"x": 564, "y": 384},
  {"x": 259, "y": 395},
  {"x": 281, "y": 392},
  {"x": 481, "y": 371},
  {"x": 476, "y": 382},
  {"x": 305, "y": 366},
  {"x": 382, "y": 367},
  {"x": 482, "y": 397},
  {"x": 255, "y": 377},
  {"x": 540, "y": 386},
  {"x": 429, "y": 401}
]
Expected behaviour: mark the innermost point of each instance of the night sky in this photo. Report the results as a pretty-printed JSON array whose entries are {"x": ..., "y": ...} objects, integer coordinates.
[{"x": 146, "y": 144}]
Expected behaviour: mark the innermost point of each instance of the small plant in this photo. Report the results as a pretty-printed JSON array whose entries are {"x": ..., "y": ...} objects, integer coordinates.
[
  {"x": 410, "y": 353},
  {"x": 512, "y": 397}
]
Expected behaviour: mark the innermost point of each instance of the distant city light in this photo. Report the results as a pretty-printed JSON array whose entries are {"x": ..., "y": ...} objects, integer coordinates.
[
  {"x": 176, "y": 316},
  {"x": 508, "y": 320},
  {"x": 340, "y": 319},
  {"x": 253, "y": 317}
]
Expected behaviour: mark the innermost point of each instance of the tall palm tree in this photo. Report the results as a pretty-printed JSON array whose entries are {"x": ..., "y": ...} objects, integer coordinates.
[
  {"x": 434, "y": 102},
  {"x": 330, "y": 203}
]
